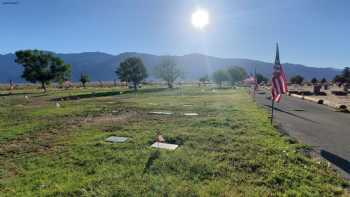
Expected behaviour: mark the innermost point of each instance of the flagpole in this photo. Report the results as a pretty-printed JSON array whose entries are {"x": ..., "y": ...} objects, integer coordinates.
[
  {"x": 272, "y": 109},
  {"x": 255, "y": 84}
]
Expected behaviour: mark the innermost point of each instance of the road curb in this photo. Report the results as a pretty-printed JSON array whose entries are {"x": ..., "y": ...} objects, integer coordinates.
[{"x": 336, "y": 106}]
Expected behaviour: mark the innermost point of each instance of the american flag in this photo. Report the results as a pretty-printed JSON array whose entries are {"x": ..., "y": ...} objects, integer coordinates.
[{"x": 279, "y": 79}]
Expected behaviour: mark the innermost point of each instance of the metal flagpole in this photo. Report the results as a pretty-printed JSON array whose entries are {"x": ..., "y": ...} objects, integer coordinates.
[
  {"x": 272, "y": 109},
  {"x": 255, "y": 84}
]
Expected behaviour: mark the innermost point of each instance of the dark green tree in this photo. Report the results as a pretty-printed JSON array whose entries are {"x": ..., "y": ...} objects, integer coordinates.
[
  {"x": 297, "y": 79},
  {"x": 324, "y": 80},
  {"x": 204, "y": 79},
  {"x": 346, "y": 74},
  {"x": 220, "y": 76},
  {"x": 261, "y": 78},
  {"x": 43, "y": 67},
  {"x": 132, "y": 70},
  {"x": 236, "y": 74},
  {"x": 314, "y": 81},
  {"x": 344, "y": 77},
  {"x": 84, "y": 78},
  {"x": 168, "y": 71}
]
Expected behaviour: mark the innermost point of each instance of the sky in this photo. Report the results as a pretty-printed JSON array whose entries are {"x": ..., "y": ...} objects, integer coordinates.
[{"x": 309, "y": 32}]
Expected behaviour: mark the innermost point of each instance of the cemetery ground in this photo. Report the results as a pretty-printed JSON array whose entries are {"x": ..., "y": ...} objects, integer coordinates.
[{"x": 228, "y": 149}]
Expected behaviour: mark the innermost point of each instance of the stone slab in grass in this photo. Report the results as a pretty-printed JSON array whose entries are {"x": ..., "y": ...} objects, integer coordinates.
[
  {"x": 188, "y": 105},
  {"x": 161, "y": 113},
  {"x": 191, "y": 114},
  {"x": 164, "y": 146},
  {"x": 115, "y": 139}
]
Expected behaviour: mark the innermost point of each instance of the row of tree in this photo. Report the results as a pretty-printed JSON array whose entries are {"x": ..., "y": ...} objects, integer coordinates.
[
  {"x": 231, "y": 75},
  {"x": 44, "y": 67},
  {"x": 343, "y": 78}
]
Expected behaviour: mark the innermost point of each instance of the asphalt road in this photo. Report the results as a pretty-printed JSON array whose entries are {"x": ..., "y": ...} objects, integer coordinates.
[{"x": 317, "y": 125}]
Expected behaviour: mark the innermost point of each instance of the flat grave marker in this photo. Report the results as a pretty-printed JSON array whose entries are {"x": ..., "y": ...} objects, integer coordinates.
[
  {"x": 191, "y": 114},
  {"x": 115, "y": 139},
  {"x": 164, "y": 146},
  {"x": 161, "y": 113}
]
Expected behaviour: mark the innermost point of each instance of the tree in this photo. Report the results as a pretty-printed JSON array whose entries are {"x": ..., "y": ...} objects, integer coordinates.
[
  {"x": 346, "y": 74},
  {"x": 324, "y": 80},
  {"x": 132, "y": 70},
  {"x": 344, "y": 77},
  {"x": 314, "y": 81},
  {"x": 261, "y": 78},
  {"x": 84, "y": 78},
  {"x": 43, "y": 67},
  {"x": 204, "y": 79},
  {"x": 236, "y": 74},
  {"x": 220, "y": 76},
  {"x": 168, "y": 71},
  {"x": 297, "y": 79}
]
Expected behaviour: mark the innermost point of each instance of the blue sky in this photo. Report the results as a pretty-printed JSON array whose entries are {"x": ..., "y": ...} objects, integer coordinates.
[{"x": 310, "y": 32}]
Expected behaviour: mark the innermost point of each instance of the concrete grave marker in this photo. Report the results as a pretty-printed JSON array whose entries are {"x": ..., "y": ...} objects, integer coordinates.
[
  {"x": 58, "y": 105},
  {"x": 161, "y": 113},
  {"x": 188, "y": 105},
  {"x": 115, "y": 139},
  {"x": 191, "y": 114},
  {"x": 164, "y": 146}
]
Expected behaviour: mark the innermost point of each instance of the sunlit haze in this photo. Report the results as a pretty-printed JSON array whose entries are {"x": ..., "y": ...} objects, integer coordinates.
[{"x": 200, "y": 18}]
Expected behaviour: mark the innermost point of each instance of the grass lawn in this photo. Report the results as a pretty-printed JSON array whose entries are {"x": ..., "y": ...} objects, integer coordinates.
[{"x": 229, "y": 149}]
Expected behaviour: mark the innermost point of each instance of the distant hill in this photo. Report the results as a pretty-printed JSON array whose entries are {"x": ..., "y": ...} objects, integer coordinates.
[{"x": 101, "y": 66}]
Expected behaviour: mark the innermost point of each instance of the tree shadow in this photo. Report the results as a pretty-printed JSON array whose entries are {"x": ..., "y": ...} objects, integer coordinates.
[
  {"x": 336, "y": 160},
  {"x": 15, "y": 94},
  {"x": 106, "y": 94},
  {"x": 292, "y": 114}
]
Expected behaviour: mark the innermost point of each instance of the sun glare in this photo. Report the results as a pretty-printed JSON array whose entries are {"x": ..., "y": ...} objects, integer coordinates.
[{"x": 200, "y": 18}]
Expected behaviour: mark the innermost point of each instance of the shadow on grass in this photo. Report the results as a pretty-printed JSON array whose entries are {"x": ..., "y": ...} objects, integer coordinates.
[
  {"x": 336, "y": 160},
  {"x": 292, "y": 114},
  {"x": 15, "y": 94},
  {"x": 106, "y": 94}
]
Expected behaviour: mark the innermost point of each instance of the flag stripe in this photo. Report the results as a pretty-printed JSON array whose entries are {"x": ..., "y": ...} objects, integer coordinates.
[{"x": 279, "y": 80}]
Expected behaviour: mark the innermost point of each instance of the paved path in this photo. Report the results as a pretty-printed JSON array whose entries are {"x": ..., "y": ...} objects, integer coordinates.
[{"x": 316, "y": 125}]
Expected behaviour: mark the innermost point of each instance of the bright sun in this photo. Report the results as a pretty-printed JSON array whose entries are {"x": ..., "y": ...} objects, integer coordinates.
[{"x": 200, "y": 18}]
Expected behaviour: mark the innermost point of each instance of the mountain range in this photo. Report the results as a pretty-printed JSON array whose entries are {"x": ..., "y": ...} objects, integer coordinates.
[{"x": 102, "y": 66}]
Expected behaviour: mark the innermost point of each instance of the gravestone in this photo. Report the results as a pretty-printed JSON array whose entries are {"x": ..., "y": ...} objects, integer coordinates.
[
  {"x": 346, "y": 87},
  {"x": 190, "y": 114},
  {"x": 326, "y": 86},
  {"x": 317, "y": 89},
  {"x": 161, "y": 113},
  {"x": 58, "y": 105},
  {"x": 115, "y": 139},
  {"x": 188, "y": 105},
  {"x": 164, "y": 146}
]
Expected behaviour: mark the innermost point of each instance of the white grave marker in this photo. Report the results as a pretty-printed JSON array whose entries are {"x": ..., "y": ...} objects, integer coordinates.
[
  {"x": 58, "y": 105},
  {"x": 191, "y": 114},
  {"x": 164, "y": 146},
  {"x": 161, "y": 113},
  {"x": 115, "y": 139}
]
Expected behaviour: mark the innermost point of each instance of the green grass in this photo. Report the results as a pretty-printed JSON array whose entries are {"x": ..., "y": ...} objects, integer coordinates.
[{"x": 230, "y": 149}]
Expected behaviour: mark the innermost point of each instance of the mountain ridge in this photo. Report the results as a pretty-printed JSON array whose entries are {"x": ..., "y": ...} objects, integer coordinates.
[{"x": 101, "y": 66}]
